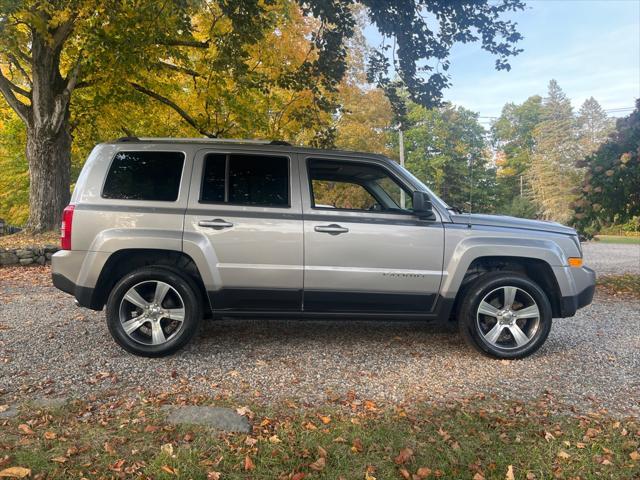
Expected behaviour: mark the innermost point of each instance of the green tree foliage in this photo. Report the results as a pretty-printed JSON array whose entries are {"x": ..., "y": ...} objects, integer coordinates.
[
  {"x": 446, "y": 149},
  {"x": 513, "y": 137},
  {"x": 553, "y": 175},
  {"x": 593, "y": 126},
  {"x": 611, "y": 186}
]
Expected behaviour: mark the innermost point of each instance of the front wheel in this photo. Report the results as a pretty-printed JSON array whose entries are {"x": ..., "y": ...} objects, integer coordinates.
[
  {"x": 153, "y": 311},
  {"x": 505, "y": 315}
]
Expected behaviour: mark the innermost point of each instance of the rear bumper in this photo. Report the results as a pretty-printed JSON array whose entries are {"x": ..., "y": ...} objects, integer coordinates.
[
  {"x": 587, "y": 284},
  {"x": 83, "y": 295}
]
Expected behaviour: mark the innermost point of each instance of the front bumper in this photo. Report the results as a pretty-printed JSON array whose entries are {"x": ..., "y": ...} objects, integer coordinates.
[{"x": 585, "y": 282}]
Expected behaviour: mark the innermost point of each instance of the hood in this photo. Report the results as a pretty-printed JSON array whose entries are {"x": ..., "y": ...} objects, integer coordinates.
[{"x": 511, "y": 222}]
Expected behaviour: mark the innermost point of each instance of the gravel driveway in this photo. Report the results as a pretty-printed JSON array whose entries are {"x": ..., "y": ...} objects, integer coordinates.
[{"x": 49, "y": 347}]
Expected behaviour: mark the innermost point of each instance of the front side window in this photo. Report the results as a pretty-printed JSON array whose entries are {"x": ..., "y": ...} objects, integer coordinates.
[
  {"x": 239, "y": 179},
  {"x": 151, "y": 176},
  {"x": 355, "y": 186}
]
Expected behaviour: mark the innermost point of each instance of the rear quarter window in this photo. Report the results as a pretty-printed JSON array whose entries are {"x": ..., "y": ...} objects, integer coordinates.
[{"x": 151, "y": 176}]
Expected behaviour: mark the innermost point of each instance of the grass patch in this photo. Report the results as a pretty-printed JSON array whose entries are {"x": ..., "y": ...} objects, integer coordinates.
[
  {"x": 634, "y": 240},
  {"x": 626, "y": 285},
  {"x": 24, "y": 239},
  {"x": 352, "y": 440}
]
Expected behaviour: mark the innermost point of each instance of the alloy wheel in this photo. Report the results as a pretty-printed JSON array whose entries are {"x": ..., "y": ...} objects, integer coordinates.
[
  {"x": 152, "y": 312},
  {"x": 508, "y": 317}
]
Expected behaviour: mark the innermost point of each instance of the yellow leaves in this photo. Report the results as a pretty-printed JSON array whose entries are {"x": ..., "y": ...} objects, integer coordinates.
[
  {"x": 563, "y": 455},
  {"x": 325, "y": 420},
  {"x": 59, "y": 459},
  {"x": 15, "y": 472},
  {"x": 509, "y": 475},
  {"x": 167, "y": 449},
  {"x": 169, "y": 470}
]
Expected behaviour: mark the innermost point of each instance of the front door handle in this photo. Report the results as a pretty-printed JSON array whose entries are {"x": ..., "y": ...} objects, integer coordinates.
[
  {"x": 218, "y": 223},
  {"x": 332, "y": 229}
]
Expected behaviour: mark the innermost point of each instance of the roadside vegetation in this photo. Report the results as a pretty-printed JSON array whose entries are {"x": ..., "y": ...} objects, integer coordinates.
[
  {"x": 627, "y": 239},
  {"x": 627, "y": 284},
  {"x": 479, "y": 438}
]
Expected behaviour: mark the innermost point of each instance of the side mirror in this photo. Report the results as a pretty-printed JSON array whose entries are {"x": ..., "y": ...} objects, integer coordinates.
[{"x": 422, "y": 206}]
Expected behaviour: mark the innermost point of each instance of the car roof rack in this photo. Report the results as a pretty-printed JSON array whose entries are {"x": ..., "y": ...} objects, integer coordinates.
[{"x": 200, "y": 140}]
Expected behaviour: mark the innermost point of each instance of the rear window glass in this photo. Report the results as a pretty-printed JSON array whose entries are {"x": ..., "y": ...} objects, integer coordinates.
[
  {"x": 246, "y": 180},
  {"x": 144, "y": 176}
]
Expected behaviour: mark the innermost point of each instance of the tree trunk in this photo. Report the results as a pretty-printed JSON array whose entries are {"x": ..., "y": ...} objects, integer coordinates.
[
  {"x": 49, "y": 158},
  {"x": 48, "y": 137}
]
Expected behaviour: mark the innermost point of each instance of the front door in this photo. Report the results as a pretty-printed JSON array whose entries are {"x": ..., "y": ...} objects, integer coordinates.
[
  {"x": 365, "y": 250},
  {"x": 244, "y": 213}
]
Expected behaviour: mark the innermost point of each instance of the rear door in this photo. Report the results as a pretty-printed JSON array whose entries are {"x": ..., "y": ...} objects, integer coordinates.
[
  {"x": 364, "y": 250},
  {"x": 244, "y": 214}
]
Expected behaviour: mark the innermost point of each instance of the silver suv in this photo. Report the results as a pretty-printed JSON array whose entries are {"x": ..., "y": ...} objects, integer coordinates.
[{"x": 167, "y": 231}]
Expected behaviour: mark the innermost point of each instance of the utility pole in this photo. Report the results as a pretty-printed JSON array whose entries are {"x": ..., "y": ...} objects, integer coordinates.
[
  {"x": 401, "y": 141},
  {"x": 520, "y": 185}
]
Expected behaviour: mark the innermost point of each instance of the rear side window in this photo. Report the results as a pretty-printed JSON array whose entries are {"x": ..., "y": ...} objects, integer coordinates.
[
  {"x": 237, "y": 179},
  {"x": 144, "y": 176}
]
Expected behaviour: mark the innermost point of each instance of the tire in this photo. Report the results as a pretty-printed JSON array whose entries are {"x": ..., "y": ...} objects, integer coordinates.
[
  {"x": 144, "y": 326},
  {"x": 496, "y": 331}
]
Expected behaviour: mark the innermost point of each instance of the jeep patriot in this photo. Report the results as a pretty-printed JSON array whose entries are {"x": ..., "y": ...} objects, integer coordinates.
[{"x": 165, "y": 232}]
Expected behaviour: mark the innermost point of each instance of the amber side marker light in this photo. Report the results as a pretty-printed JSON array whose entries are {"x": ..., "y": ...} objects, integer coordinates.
[{"x": 575, "y": 262}]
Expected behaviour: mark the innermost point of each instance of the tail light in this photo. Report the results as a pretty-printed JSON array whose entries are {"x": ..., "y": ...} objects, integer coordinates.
[{"x": 65, "y": 227}]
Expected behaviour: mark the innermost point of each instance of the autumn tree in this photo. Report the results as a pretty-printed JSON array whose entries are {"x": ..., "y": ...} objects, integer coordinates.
[
  {"x": 51, "y": 49},
  {"x": 553, "y": 175}
]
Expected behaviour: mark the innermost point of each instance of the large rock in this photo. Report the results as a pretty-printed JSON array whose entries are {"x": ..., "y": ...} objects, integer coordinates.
[
  {"x": 26, "y": 261},
  {"x": 223, "y": 419},
  {"x": 8, "y": 258},
  {"x": 24, "y": 253}
]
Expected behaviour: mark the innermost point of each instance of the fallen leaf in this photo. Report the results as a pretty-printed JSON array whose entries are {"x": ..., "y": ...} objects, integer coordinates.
[
  {"x": 108, "y": 448},
  {"x": 167, "y": 448},
  {"x": 405, "y": 473},
  {"x": 318, "y": 465},
  {"x": 562, "y": 454},
  {"x": 635, "y": 456},
  {"x": 59, "y": 459},
  {"x": 368, "y": 476},
  {"x": 15, "y": 472},
  {"x": 404, "y": 456},
  {"x": 26, "y": 429},
  {"x": 322, "y": 452},
  {"x": 423, "y": 472},
  {"x": 531, "y": 476},
  {"x": 213, "y": 475},
  {"x": 274, "y": 439},
  {"x": 244, "y": 411},
  {"x": 50, "y": 435},
  {"x": 298, "y": 476},
  {"x": 168, "y": 469},
  {"x": 248, "y": 463},
  {"x": 250, "y": 441},
  {"x": 4, "y": 408},
  {"x": 478, "y": 476},
  {"x": 580, "y": 445},
  {"x": 548, "y": 436},
  {"x": 357, "y": 446},
  {"x": 325, "y": 420},
  {"x": 592, "y": 432},
  {"x": 510, "y": 475}
]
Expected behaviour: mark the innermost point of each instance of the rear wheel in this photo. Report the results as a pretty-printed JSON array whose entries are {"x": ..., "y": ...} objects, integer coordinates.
[
  {"x": 153, "y": 311},
  {"x": 505, "y": 315}
]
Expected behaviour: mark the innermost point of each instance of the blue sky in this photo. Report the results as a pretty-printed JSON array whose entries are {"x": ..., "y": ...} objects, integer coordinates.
[{"x": 591, "y": 47}]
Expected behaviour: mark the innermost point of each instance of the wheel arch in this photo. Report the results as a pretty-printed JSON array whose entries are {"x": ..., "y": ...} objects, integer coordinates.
[
  {"x": 538, "y": 270},
  {"x": 121, "y": 262}
]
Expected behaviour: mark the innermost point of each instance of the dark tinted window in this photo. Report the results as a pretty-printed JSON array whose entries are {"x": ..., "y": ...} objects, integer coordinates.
[
  {"x": 252, "y": 180},
  {"x": 213, "y": 178},
  {"x": 144, "y": 176}
]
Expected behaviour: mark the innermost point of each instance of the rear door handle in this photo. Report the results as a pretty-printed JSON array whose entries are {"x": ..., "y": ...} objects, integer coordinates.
[
  {"x": 332, "y": 229},
  {"x": 218, "y": 223}
]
